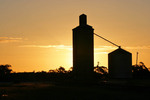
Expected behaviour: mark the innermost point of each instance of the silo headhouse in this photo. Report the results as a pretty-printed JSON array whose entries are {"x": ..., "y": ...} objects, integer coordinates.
[
  {"x": 83, "y": 49},
  {"x": 119, "y": 64}
]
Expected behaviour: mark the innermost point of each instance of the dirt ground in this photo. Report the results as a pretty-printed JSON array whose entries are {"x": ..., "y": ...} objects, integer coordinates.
[{"x": 113, "y": 90}]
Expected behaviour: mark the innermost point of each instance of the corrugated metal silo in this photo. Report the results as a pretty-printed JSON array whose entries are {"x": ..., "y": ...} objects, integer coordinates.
[{"x": 119, "y": 64}]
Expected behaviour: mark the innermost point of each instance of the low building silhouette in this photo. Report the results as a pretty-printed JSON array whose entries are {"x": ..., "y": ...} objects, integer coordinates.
[{"x": 120, "y": 64}]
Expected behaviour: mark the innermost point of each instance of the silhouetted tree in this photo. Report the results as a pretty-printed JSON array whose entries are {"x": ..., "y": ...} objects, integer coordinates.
[
  {"x": 61, "y": 69},
  {"x": 140, "y": 71},
  {"x": 70, "y": 69},
  {"x": 51, "y": 71},
  {"x": 5, "y": 71},
  {"x": 101, "y": 70}
]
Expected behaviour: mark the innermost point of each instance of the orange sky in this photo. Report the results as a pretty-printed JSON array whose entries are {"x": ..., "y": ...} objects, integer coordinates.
[{"x": 37, "y": 34}]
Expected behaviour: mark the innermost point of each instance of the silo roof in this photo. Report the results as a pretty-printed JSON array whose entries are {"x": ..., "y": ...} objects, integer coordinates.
[{"x": 119, "y": 50}]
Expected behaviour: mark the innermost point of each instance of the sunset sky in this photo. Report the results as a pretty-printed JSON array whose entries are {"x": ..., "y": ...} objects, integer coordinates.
[{"x": 37, "y": 34}]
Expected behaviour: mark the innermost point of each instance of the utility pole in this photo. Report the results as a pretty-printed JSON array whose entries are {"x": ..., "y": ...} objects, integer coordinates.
[{"x": 137, "y": 58}]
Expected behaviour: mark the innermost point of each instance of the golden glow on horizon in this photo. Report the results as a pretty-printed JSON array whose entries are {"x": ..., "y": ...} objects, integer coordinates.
[{"x": 37, "y": 35}]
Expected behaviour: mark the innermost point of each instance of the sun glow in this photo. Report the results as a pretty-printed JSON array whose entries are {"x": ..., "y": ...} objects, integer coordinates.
[{"x": 37, "y": 35}]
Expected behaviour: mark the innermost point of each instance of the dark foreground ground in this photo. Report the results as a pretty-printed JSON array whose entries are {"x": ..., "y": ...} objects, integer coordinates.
[{"x": 112, "y": 90}]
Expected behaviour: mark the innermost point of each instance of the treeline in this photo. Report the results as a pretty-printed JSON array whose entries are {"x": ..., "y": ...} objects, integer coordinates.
[
  {"x": 139, "y": 71},
  {"x": 59, "y": 74}
]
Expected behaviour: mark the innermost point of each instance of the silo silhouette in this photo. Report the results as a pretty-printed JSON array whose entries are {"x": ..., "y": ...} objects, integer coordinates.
[
  {"x": 83, "y": 49},
  {"x": 119, "y": 64}
]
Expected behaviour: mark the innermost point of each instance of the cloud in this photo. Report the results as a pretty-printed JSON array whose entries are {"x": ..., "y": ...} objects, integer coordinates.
[
  {"x": 101, "y": 52},
  {"x": 97, "y": 49},
  {"x": 138, "y": 47},
  {"x": 9, "y": 39},
  {"x": 104, "y": 48},
  {"x": 49, "y": 46},
  {"x": 108, "y": 48}
]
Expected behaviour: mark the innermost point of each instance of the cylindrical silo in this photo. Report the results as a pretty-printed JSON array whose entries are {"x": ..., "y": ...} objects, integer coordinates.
[
  {"x": 119, "y": 64},
  {"x": 83, "y": 49}
]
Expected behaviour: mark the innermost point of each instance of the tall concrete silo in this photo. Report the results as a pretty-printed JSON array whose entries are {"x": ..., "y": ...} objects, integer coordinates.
[
  {"x": 83, "y": 49},
  {"x": 119, "y": 64}
]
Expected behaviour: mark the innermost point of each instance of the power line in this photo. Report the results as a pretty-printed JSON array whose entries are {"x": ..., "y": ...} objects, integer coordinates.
[{"x": 107, "y": 40}]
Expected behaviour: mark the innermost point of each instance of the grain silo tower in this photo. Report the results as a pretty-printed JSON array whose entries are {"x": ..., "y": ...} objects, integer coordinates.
[
  {"x": 119, "y": 64},
  {"x": 83, "y": 49}
]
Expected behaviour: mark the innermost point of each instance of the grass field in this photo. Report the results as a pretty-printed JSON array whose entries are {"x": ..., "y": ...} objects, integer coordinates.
[{"x": 63, "y": 91}]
